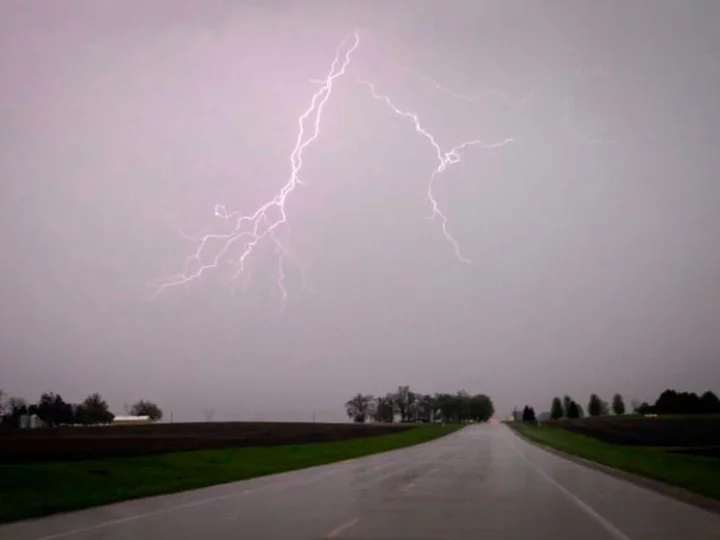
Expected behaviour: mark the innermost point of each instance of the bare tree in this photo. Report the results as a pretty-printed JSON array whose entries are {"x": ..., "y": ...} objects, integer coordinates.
[{"x": 358, "y": 407}]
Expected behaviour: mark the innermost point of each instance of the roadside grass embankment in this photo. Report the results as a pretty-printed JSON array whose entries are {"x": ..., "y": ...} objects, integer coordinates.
[
  {"x": 694, "y": 473},
  {"x": 37, "y": 489}
]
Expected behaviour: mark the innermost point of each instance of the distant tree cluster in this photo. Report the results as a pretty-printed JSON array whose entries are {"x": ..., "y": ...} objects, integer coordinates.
[
  {"x": 669, "y": 402},
  {"x": 54, "y": 411},
  {"x": 408, "y": 406},
  {"x": 569, "y": 408},
  {"x": 528, "y": 414},
  {"x": 672, "y": 402}
]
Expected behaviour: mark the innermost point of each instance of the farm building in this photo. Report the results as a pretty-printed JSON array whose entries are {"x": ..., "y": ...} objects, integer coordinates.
[{"x": 131, "y": 420}]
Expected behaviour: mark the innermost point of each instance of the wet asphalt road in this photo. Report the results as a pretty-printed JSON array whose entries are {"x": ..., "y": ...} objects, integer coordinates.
[{"x": 482, "y": 482}]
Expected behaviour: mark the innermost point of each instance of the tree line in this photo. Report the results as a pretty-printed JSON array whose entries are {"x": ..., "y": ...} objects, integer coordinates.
[
  {"x": 408, "y": 406},
  {"x": 54, "y": 411},
  {"x": 672, "y": 402},
  {"x": 669, "y": 402}
]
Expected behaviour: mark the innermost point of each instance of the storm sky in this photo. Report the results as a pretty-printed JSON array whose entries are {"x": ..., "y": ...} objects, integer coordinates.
[{"x": 594, "y": 237}]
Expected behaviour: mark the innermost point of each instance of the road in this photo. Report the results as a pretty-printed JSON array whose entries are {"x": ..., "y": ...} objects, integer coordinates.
[{"x": 482, "y": 482}]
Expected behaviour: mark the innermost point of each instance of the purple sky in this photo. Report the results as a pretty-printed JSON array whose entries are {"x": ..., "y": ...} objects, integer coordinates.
[{"x": 594, "y": 267}]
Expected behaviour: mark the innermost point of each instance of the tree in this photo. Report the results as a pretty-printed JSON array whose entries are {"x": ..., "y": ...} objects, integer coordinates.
[
  {"x": 413, "y": 407},
  {"x": 449, "y": 407},
  {"x": 404, "y": 400},
  {"x": 672, "y": 402},
  {"x": 581, "y": 412},
  {"x": 371, "y": 411},
  {"x": 481, "y": 408},
  {"x": 13, "y": 408},
  {"x": 709, "y": 403},
  {"x": 556, "y": 409},
  {"x": 645, "y": 408},
  {"x": 358, "y": 407},
  {"x": 529, "y": 414},
  {"x": 81, "y": 415},
  {"x": 567, "y": 400},
  {"x": 64, "y": 412},
  {"x": 463, "y": 401},
  {"x": 618, "y": 405},
  {"x": 383, "y": 409},
  {"x": 45, "y": 407},
  {"x": 16, "y": 405},
  {"x": 425, "y": 408},
  {"x": 94, "y": 410},
  {"x": 53, "y": 410},
  {"x": 146, "y": 408},
  {"x": 596, "y": 406},
  {"x": 573, "y": 410}
]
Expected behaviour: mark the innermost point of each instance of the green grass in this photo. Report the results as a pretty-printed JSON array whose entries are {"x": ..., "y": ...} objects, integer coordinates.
[
  {"x": 37, "y": 489},
  {"x": 698, "y": 474}
]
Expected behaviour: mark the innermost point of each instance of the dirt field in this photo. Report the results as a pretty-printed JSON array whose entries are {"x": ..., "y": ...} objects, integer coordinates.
[
  {"x": 690, "y": 431},
  {"x": 113, "y": 441}
]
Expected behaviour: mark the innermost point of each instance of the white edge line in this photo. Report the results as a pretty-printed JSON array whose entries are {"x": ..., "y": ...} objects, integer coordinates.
[{"x": 609, "y": 527}]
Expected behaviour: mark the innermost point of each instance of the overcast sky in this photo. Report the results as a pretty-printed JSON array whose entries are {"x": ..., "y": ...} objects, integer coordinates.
[{"x": 593, "y": 237}]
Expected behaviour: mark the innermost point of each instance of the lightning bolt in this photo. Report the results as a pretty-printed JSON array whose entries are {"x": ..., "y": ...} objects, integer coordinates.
[
  {"x": 445, "y": 160},
  {"x": 247, "y": 232},
  {"x": 250, "y": 230}
]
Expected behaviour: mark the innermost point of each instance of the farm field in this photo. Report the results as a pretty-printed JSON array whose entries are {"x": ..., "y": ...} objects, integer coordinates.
[
  {"x": 681, "y": 431},
  {"x": 37, "y": 489},
  {"x": 77, "y": 443}
]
